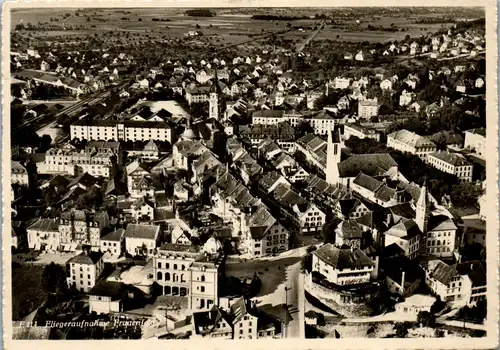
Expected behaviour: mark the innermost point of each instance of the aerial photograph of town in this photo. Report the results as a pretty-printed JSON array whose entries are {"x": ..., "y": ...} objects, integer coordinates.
[{"x": 248, "y": 173}]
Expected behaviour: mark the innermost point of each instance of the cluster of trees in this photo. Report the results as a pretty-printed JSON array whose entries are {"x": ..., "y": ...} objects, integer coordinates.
[{"x": 200, "y": 13}]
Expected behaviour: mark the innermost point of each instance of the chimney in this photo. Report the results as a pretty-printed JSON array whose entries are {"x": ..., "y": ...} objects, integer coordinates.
[{"x": 403, "y": 281}]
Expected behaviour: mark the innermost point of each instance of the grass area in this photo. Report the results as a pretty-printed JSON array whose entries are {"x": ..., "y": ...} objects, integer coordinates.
[{"x": 27, "y": 291}]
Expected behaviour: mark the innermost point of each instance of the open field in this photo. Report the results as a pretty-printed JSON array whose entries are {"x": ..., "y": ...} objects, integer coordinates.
[
  {"x": 27, "y": 291},
  {"x": 228, "y": 25}
]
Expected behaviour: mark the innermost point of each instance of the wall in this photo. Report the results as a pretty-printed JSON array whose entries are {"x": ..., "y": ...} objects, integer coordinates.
[{"x": 332, "y": 299}]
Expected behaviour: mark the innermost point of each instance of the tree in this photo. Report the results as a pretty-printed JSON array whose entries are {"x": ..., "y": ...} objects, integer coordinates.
[
  {"x": 45, "y": 142},
  {"x": 54, "y": 279},
  {"x": 304, "y": 127},
  {"x": 465, "y": 194},
  {"x": 401, "y": 330},
  {"x": 426, "y": 319}
]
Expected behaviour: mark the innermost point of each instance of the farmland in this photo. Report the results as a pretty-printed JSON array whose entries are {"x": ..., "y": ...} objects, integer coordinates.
[{"x": 229, "y": 25}]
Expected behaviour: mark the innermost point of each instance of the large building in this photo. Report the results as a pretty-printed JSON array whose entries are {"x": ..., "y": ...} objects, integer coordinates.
[
  {"x": 83, "y": 228},
  {"x": 84, "y": 270},
  {"x": 407, "y": 141},
  {"x": 96, "y": 159},
  {"x": 186, "y": 270},
  {"x": 451, "y": 163},
  {"x": 126, "y": 130}
]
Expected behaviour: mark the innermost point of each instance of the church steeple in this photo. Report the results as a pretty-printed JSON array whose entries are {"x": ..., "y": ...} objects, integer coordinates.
[
  {"x": 423, "y": 209},
  {"x": 215, "y": 92},
  {"x": 333, "y": 156}
]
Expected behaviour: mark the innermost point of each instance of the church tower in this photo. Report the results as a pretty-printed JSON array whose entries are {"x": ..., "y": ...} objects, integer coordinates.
[
  {"x": 215, "y": 93},
  {"x": 423, "y": 209},
  {"x": 333, "y": 156}
]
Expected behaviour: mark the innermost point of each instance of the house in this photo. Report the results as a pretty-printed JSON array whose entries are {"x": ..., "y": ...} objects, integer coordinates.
[
  {"x": 185, "y": 270},
  {"x": 460, "y": 284},
  {"x": 348, "y": 233},
  {"x": 386, "y": 84},
  {"x": 19, "y": 174},
  {"x": 82, "y": 227},
  {"x": 461, "y": 87},
  {"x": 264, "y": 235},
  {"x": 112, "y": 243},
  {"x": 143, "y": 210},
  {"x": 214, "y": 323},
  {"x": 415, "y": 304},
  {"x": 359, "y": 56},
  {"x": 360, "y": 131},
  {"x": 343, "y": 102},
  {"x": 341, "y": 83},
  {"x": 142, "y": 239},
  {"x": 368, "y": 108},
  {"x": 44, "y": 235},
  {"x": 44, "y": 66},
  {"x": 475, "y": 140},
  {"x": 311, "y": 318},
  {"x": 342, "y": 266},
  {"x": 405, "y": 98},
  {"x": 108, "y": 297},
  {"x": 407, "y": 235},
  {"x": 84, "y": 270}
]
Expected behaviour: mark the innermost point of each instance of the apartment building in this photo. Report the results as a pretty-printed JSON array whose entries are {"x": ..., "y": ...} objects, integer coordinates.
[
  {"x": 82, "y": 227},
  {"x": 96, "y": 159},
  {"x": 84, "y": 270},
  {"x": 368, "y": 108},
  {"x": 126, "y": 130},
  {"x": 407, "y": 141},
  {"x": 451, "y": 163},
  {"x": 186, "y": 270}
]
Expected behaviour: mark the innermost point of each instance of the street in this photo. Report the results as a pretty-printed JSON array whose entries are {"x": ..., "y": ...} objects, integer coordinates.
[{"x": 276, "y": 274}]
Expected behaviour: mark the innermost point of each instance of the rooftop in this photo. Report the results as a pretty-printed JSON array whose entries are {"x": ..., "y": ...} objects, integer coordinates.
[
  {"x": 343, "y": 258},
  {"x": 142, "y": 231}
]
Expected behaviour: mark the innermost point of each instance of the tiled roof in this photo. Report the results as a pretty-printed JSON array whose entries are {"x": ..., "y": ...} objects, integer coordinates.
[
  {"x": 142, "y": 231},
  {"x": 441, "y": 223},
  {"x": 369, "y": 164},
  {"x": 84, "y": 258},
  {"x": 367, "y": 182},
  {"x": 114, "y": 236},
  {"x": 406, "y": 229},
  {"x": 450, "y": 158},
  {"x": 412, "y": 139},
  {"x": 350, "y": 229},
  {"x": 343, "y": 258},
  {"x": 171, "y": 247},
  {"x": 45, "y": 225}
]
